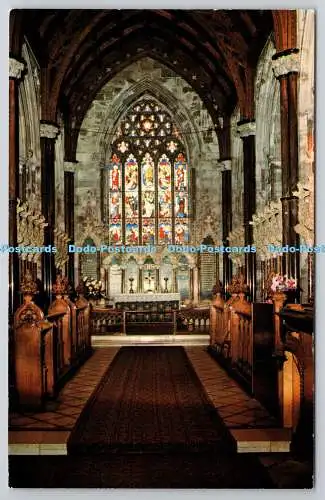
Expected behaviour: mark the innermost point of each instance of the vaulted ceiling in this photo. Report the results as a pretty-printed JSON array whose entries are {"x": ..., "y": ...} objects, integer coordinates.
[{"x": 80, "y": 50}]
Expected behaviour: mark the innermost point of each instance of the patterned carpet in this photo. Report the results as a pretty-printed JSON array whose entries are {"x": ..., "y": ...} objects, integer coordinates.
[
  {"x": 149, "y": 424},
  {"x": 150, "y": 399}
]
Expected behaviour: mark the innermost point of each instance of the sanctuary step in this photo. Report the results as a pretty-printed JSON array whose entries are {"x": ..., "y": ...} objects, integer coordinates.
[
  {"x": 262, "y": 440},
  {"x": 149, "y": 339}
]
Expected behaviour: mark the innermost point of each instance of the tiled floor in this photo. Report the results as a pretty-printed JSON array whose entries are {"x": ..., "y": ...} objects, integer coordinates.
[
  {"x": 47, "y": 431},
  {"x": 234, "y": 405},
  {"x": 250, "y": 424}
]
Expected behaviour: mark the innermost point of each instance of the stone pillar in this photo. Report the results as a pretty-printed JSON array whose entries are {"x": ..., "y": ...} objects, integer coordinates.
[
  {"x": 226, "y": 219},
  {"x": 247, "y": 130},
  {"x": 175, "y": 287},
  {"x": 157, "y": 281},
  {"x": 140, "y": 283},
  {"x": 107, "y": 276},
  {"x": 69, "y": 177},
  {"x": 196, "y": 286},
  {"x": 15, "y": 72},
  {"x": 285, "y": 68},
  {"x": 48, "y": 133},
  {"x": 191, "y": 297},
  {"x": 123, "y": 280}
]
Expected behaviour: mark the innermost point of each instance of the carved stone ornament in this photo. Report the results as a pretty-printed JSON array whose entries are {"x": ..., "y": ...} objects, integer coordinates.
[
  {"x": 305, "y": 227},
  {"x": 28, "y": 285},
  {"x": 224, "y": 165},
  {"x": 15, "y": 68},
  {"x": 60, "y": 287},
  {"x": 70, "y": 166},
  {"x": 267, "y": 226},
  {"x": 61, "y": 241},
  {"x": 288, "y": 63},
  {"x": 246, "y": 129},
  {"x": 236, "y": 238},
  {"x": 49, "y": 130}
]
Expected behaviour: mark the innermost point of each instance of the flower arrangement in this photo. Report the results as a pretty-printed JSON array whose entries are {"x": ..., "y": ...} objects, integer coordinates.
[
  {"x": 94, "y": 288},
  {"x": 282, "y": 283}
]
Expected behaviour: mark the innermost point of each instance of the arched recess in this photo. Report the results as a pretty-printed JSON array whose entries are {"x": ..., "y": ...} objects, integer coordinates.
[
  {"x": 149, "y": 76},
  {"x": 268, "y": 130}
]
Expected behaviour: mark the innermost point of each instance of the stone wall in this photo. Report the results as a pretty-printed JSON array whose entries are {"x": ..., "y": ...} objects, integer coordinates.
[{"x": 93, "y": 152}]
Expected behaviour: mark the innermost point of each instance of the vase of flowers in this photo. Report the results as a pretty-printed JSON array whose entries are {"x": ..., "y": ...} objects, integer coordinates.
[
  {"x": 93, "y": 289},
  {"x": 283, "y": 285}
]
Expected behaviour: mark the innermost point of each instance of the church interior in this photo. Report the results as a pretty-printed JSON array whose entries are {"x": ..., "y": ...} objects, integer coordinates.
[{"x": 161, "y": 201}]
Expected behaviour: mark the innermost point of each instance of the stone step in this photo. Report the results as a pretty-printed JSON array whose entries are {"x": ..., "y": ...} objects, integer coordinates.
[
  {"x": 159, "y": 340},
  {"x": 262, "y": 440}
]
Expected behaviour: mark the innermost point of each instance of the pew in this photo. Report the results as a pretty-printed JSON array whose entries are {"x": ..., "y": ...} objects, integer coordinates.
[{"x": 48, "y": 348}]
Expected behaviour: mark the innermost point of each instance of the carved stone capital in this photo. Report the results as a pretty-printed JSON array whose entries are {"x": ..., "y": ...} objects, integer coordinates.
[
  {"x": 70, "y": 166},
  {"x": 49, "y": 130},
  {"x": 224, "y": 165},
  {"x": 246, "y": 129},
  {"x": 15, "y": 68},
  {"x": 284, "y": 63}
]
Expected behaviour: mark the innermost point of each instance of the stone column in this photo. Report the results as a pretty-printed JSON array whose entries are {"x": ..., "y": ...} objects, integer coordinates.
[
  {"x": 226, "y": 220},
  {"x": 174, "y": 286},
  {"x": 69, "y": 177},
  {"x": 107, "y": 276},
  {"x": 48, "y": 133},
  {"x": 15, "y": 72},
  {"x": 285, "y": 68},
  {"x": 196, "y": 286},
  {"x": 157, "y": 281},
  {"x": 140, "y": 278},
  {"x": 247, "y": 130},
  {"x": 191, "y": 297}
]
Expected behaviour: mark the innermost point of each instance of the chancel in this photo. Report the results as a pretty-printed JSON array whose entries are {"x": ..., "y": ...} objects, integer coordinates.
[{"x": 160, "y": 163}]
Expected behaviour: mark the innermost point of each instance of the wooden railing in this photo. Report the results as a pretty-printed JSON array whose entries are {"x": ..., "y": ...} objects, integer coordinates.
[
  {"x": 48, "y": 349},
  {"x": 104, "y": 320},
  {"x": 193, "y": 320},
  {"x": 107, "y": 320}
]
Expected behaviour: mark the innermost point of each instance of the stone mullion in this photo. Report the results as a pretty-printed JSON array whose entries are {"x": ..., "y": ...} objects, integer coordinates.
[
  {"x": 122, "y": 202},
  {"x": 49, "y": 132},
  {"x": 173, "y": 198},
  {"x": 140, "y": 201}
]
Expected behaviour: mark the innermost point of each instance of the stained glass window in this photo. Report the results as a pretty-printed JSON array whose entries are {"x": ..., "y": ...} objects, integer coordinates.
[{"x": 148, "y": 199}]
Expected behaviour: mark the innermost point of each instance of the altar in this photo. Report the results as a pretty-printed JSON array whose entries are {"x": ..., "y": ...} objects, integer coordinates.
[
  {"x": 148, "y": 312},
  {"x": 144, "y": 298}
]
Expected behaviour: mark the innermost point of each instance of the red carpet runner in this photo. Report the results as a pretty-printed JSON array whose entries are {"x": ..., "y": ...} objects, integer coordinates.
[
  {"x": 150, "y": 399},
  {"x": 148, "y": 425}
]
